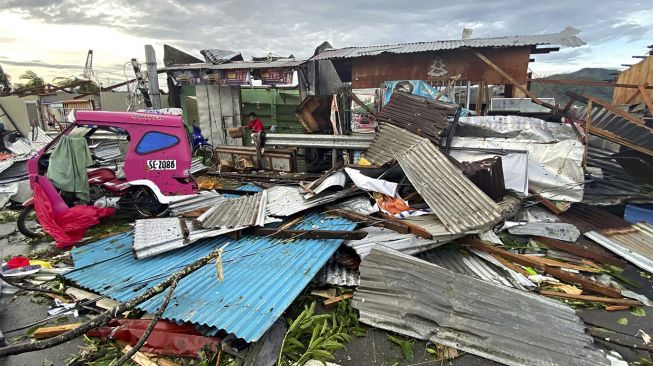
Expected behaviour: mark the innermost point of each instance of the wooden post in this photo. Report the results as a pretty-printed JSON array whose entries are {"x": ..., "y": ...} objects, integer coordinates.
[
  {"x": 479, "y": 98},
  {"x": 588, "y": 120}
]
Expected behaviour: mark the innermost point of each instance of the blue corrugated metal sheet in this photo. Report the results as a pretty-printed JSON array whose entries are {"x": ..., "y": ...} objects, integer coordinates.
[{"x": 262, "y": 276}]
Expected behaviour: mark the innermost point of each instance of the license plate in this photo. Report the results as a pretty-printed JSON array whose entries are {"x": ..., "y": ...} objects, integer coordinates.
[{"x": 162, "y": 164}]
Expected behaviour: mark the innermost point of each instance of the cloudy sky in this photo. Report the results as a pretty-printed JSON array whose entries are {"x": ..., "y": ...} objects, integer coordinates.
[{"x": 52, "y": 37}]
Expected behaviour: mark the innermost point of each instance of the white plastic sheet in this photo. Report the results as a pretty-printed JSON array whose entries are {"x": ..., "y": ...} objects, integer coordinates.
[{"x": 370, "y": 184}]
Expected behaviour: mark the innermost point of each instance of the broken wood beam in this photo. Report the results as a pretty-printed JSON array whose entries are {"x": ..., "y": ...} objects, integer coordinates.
[
  {"x": 49, "y": 332},
  {"x": 603, "y": 300},
  {"x": 514, "y": 82},
  {"x": 139, "y": 358},
  {"x": 310, "y": 234},
  {"x": 579, "y": 250},
  {"x": 646, "y": 98},
  {"x": 414, "y": 229},
  {"x": 546, "y": 265},
  {"x": 337, "y": 299},
  {"x": 547, "y": 203},
  {"x": 399, "y": 227}
]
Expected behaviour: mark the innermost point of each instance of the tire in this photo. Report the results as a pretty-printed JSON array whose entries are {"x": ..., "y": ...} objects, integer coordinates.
[
  {"x": 146, "y": 205},
  {"x": 21, "y": 223}
]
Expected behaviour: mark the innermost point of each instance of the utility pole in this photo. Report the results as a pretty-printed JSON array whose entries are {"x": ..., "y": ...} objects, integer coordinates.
[
  {"x": 140, "y": 81},
  {"x": 88, "y": 67},
  {"x": 152, "y": 76}
]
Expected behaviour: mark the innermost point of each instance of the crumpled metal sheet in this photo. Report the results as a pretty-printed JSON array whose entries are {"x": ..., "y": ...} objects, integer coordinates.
[
  {"x": 457, "y": 202},
  {"x": 509, "y": 127},
  {"x": 360, "y": 205},
  {"x": 389, "y": 141},
  {"x": 336, "y": 179},
  {"x": 407, "y": 295},
  {"x": 239, "y": 212},
  {"x": 405, "y": 243},
  {"x": 555, "y": 230},
  {"x": 555, "y": 170},
  {"x": 336, "y": 274},
  {"x": 286, "y": 201}
]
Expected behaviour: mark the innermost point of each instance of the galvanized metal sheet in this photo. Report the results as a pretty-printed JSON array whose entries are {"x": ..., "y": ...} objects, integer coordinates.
[
  {"x": 457, "y": 202},
  {"x": 155, "y": 236},
  {"x": 336, "y": 274},
  {"x": 197, "y": 166},
  {"x": 635, "y": 246},
  {"x": 355, "y": 142},
  {"x": 202, "y": 200},
  {"x": 554, "y": 230},
  {"x": 565, "y": 38},
  {"x": 416, "y": 114},
  {"x": 405, "y": 243},
  {"x": 240, "y": 212},
  {"x": 234, "y": 65},
  {"x": 285, "y": 201},
  {"x": 410, "y": 296},
  {"x": 388, "y": 142},
  {"x": 262, "y": 276}
]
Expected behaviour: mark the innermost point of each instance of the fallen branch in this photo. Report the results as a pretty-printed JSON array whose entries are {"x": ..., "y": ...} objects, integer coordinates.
[
  {"x": 159, "y": 312},
  {"x": 109, "y": 314},
  {"x": 30, "y": 288}
]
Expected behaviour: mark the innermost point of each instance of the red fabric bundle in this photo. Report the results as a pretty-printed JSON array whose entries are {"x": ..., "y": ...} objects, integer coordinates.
[
  {"x": 69, "y": 227},
  {"x": 17, "y": 262}
]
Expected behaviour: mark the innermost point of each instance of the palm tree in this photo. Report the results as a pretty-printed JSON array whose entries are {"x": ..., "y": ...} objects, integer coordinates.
[
  {"x": 32, "y": 81},
  {"x": 89, "y": 86}
]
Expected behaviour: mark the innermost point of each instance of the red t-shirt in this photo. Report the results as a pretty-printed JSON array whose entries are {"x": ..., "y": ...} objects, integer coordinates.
[{"x": 256, "y": 125}]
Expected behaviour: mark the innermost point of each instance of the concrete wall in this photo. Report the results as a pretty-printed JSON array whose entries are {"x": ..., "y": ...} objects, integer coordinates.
[{"x": 14, "y": 106}]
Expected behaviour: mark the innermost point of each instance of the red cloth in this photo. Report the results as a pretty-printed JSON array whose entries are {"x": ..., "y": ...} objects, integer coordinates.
[
  {"x": 17, "y": 262},
  {"x": 69, "y": 227},
  {"x": 256, "y": 125}
]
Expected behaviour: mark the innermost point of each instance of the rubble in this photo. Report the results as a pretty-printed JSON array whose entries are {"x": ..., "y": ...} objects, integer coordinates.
[{"x": 477, "y": 231}]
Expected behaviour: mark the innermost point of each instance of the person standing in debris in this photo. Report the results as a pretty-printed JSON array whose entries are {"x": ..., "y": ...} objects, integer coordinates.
[{"x": 257, "y": 128}]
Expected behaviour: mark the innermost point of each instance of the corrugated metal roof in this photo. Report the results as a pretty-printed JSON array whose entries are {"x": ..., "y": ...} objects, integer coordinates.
[
  {"x": 235, "y": 65},
  {"x": 565, "y": 38},
  {"x": 457, "y": 202},
  {"x": 415, "y": 114},
  {"x": 410, "y": 296},
  {"x": 389, "y": 141},
  {"x": 108, "y": 150},
  {"x": 197, "y": 166},
  {"x": 262, "y": 276},
  {"x": 635, "y": 245},
  {"x": 613, "y": 126},
  {"x": 201, "y": 200},
  {"x": 216, "y": 56},
  {"x": 336, "y": 274},
  {"x": 285, "y": 201},
  {"x": 155, "y": 236},
  {"x": 405, "y": 243},
  {"x": 248, "y": 210},
  {"x": 587, "y": 218}
]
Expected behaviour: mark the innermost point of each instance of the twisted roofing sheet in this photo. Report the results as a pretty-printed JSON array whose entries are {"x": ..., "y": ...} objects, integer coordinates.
[
  {"x": 565, "y": 38},
  {"x": 457, "y": 202},
  {"x": 262, "y": 276},
  {"x": 244, "y": 211},
  {"x": 389, "y": 141},
  {"x": 407, "y": 295}
]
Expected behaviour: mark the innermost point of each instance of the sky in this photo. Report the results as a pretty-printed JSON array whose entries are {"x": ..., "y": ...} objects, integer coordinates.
[{"x": 52, "y": 37}]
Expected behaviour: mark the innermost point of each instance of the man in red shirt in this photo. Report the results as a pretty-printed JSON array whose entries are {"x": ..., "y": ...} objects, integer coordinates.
[{"x": 257, "y": 128}]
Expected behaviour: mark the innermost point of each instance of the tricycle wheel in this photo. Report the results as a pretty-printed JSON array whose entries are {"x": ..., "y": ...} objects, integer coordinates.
[
  {"x": 25, "y": 226},
  {"x": 146, "y": 204},
  {"x": 205, "y": 152}
]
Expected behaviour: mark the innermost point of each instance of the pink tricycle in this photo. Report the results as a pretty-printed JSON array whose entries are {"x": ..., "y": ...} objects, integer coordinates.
[{"x": 156, "y": 168}]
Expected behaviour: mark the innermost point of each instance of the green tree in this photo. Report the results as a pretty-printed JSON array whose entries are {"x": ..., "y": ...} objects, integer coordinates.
[
  {"x": 5, "y": 83},
  {"x": 88, "y": 86},
  {"x": 31, "y": 81}
]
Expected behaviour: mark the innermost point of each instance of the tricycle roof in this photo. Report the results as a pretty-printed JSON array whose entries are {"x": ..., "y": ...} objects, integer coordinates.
[{"x": 135, "y": 118}]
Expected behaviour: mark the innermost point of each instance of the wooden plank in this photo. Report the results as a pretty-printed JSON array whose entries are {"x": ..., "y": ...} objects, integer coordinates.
[
  {"x": 514, "y": 82},
  {"x": 546, "y": 265},
  {"x": 511, "y": 265},
  {"x": 646, "y": 98},
  {"x": 49, "y": 332},
  {"x": 588, "y": 124},
  {"x": 414, "y": 229},
  {"x": 310, "y": 234},
  {"x": 139, "y": 358},
  {"x": 337, "y": 299},
  {"x": 639, "y": 73},
  {"x": 617, "y": 307},
  {"x": 603, "y": 300},
  {"x": 581, "y": 251},
  {"x": 166, "y": 362},
  {"x": 399, "y": 227},
  {"x": 546, "y": 203},
  {"x": 619, "y": 140}
]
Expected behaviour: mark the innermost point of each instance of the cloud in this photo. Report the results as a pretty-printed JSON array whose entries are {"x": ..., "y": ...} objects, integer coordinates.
[
  {"x": 38, "y": 63},
  {"x": 297, "y": 26}
]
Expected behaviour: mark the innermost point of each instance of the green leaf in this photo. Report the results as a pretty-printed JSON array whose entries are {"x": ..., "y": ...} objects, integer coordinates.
[
  {"x": 638, "y": 311},
  {"x": 295, "y": 342},
  {"x": 407, "y": 349},
  {"x": 530, "y": 270},
  {"x": 431, "y": 351},
  {"x": 623, "y": 321}
]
